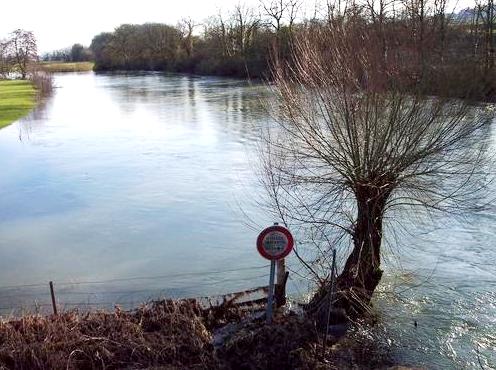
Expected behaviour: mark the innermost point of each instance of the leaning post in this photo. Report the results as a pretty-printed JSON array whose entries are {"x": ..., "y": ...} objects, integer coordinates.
[
  {"x": 281, "y": 282},
  {"x": 52, "y": 293}
]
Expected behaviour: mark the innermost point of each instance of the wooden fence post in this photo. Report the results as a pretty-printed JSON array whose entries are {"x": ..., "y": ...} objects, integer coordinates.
[
  {"x": 282, "y": 277},
  {"x": 54, "y": 304}
]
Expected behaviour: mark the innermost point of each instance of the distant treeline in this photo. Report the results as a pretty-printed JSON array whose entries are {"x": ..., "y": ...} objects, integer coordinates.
[
  {"x": 440, "y": 49},
  {"x": 233, "y": 49},
  {"x": 75, "y": 53}
]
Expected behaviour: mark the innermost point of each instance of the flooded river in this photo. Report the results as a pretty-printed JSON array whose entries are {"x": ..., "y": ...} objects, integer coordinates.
[{"x": 121, "y": 188}]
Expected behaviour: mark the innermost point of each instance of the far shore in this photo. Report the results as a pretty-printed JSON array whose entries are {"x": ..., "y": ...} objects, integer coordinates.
[{"x": 58, "y": 67}]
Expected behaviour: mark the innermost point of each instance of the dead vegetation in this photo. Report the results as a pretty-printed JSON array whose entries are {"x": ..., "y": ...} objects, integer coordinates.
[
  {"x": 179, "y": 334},
  {"x": 169, "y": 333}
]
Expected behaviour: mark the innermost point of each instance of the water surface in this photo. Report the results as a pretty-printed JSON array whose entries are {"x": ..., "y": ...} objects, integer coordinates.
[
  {"x": 119, "y": 176},
  {"x": 121, "y": 188}
]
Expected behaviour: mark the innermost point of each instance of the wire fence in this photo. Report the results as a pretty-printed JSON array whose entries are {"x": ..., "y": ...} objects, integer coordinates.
[{"x": 130, "y": 292}]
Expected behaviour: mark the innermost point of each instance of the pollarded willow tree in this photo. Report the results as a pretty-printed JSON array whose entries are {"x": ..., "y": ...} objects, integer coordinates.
[{"x": 352, "y": 142}]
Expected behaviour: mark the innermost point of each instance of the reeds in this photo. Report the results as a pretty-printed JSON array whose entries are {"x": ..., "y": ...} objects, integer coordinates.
[{"x": 43, "y": 82}]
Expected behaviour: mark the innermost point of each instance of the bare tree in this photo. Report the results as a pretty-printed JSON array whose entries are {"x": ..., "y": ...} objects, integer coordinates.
[
  {"x": 187, "y": 27},
  {"x": 440, "y": 21},
  {"x": 122, "y": 46},
  {"x": 486, "y": 13},
  {"x": 378, "y": 13},
  {"x": 24, "y": 50},
  {"x": 275, "y": 10},
  {"x": 5, "y": 60},
  {"x": 351, "y": 146},
  {"x": 225, "y": 36},
  {"x": 336, "y": 10},
  {"x": 244, "y": 25},
  {"x": 280, "y": 11},
  {"x": 417, "y": 12},
  {"x": 293, "y": 7}
]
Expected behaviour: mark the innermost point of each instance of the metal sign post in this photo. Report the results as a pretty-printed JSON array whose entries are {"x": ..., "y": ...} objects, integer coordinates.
[
  {"x": 270, "y": 298},
  {"x": 274, "y": 243}
]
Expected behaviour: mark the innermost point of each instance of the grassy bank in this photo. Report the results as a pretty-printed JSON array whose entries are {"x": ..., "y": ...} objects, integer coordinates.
[
  {"x": 67, "y": 67},
  {"x": 17, "y": 98}
]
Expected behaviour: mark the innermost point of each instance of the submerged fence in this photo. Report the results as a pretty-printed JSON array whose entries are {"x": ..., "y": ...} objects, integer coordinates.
[{"x": 211, "y": 287}]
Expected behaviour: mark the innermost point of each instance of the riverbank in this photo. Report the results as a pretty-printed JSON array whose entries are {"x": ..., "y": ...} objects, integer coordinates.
[
  {"x": 17, "y": 98},
  {"x": 178, "y": 334},
  {"x": 53, "y": 67}
]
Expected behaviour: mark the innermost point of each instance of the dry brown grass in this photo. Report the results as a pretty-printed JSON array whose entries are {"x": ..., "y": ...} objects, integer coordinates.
[
  {"x": 59, "y": 67},
  {"x": 179, "y": 334},
  {"x": 165, "y": 333}
]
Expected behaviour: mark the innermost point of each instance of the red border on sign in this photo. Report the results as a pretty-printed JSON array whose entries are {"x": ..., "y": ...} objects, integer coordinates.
[{"x": 286, "y": 251}]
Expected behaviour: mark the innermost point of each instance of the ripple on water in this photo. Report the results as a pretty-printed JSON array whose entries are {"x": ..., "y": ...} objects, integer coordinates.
[{"x": 456, "y": 324}]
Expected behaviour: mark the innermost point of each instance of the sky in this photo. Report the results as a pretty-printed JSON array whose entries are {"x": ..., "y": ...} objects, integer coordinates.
[{"x": 58, "y": 24}]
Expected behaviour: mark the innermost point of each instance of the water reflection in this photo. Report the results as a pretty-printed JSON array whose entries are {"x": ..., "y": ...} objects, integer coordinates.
[{"x": 128, "y": 175}]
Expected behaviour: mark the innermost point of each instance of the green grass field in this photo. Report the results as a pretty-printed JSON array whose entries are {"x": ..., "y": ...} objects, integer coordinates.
[
  {"x": 17, "y": 98},
  {"x": 67, "y": 67}
]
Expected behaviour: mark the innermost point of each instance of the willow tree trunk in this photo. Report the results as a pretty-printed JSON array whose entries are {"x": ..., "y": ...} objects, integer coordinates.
[{"x": 361, "y": 273}]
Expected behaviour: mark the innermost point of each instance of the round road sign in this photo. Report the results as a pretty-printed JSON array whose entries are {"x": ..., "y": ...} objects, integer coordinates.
[{"x": 275, "y": 242}]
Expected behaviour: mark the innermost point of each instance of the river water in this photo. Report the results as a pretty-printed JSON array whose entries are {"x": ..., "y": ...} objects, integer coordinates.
[{"x": 121, "y": 188}]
